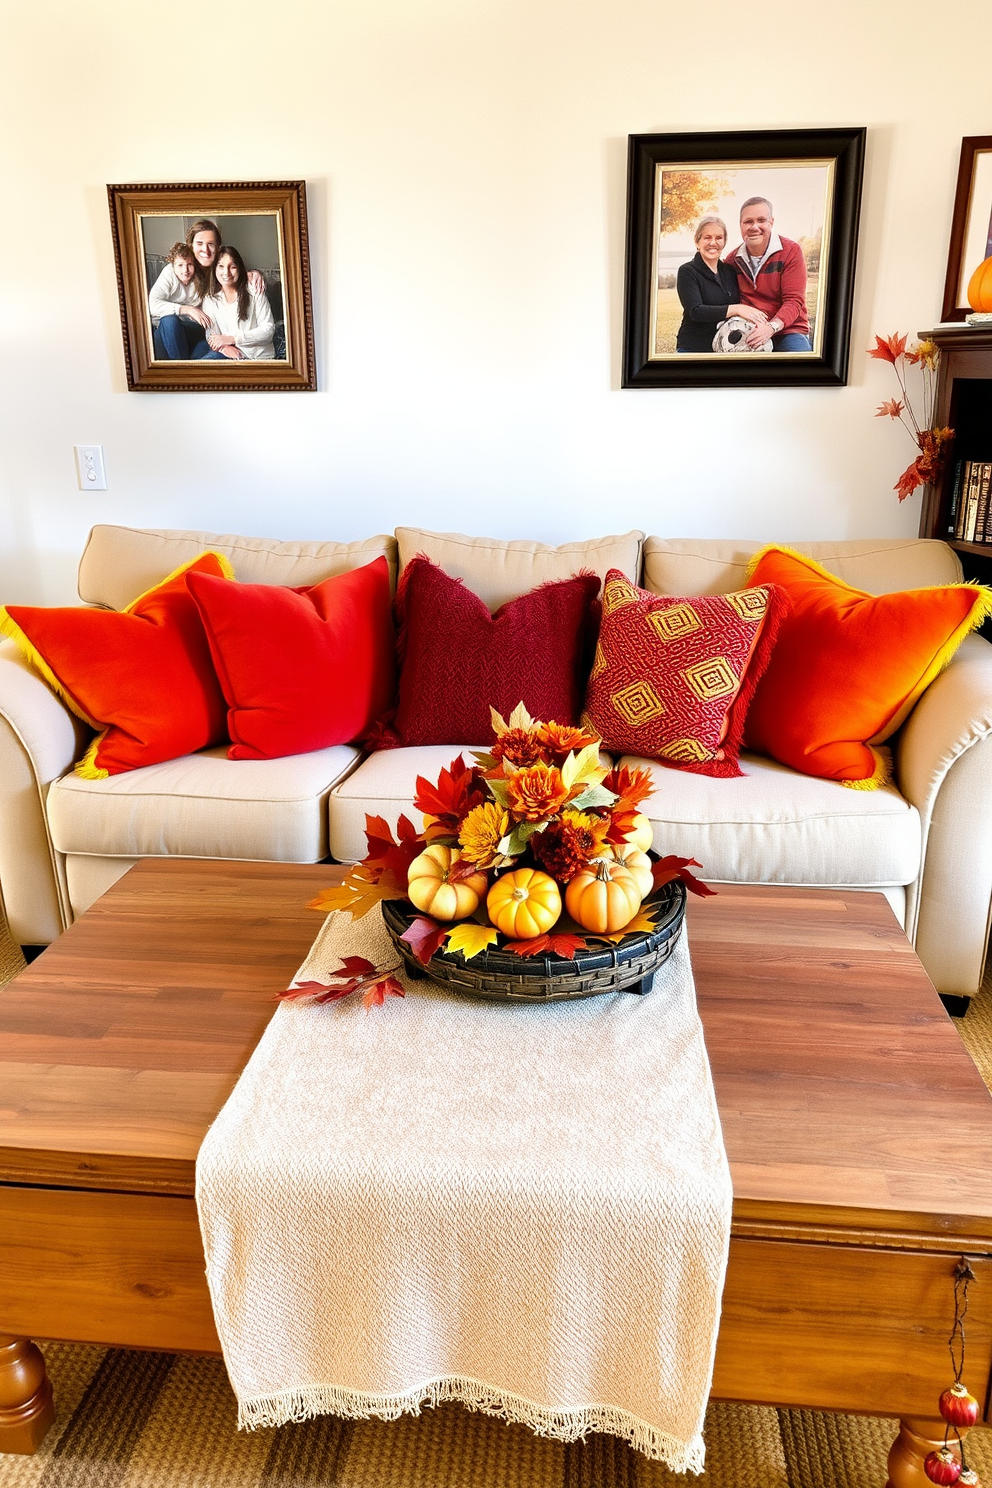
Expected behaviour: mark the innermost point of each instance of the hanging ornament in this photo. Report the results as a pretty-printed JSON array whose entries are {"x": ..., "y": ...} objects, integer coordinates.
[
  {"x": 958, "y": 1407},
  {"x": 942, "y": 1466},
  {"x": 968, "y": 1478}
]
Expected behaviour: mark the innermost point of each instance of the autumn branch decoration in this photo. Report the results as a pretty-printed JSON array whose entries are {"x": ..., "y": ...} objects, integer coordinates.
[
  {"x": 926, "y": 467},
  {"x": 536, "y": 848}
]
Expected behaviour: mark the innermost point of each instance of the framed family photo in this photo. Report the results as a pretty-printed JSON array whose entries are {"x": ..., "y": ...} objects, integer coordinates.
[
  {"x": 971, "y": 225},
  {"x": 214, "y": 286},
  {"x": 740, "y": 257}
]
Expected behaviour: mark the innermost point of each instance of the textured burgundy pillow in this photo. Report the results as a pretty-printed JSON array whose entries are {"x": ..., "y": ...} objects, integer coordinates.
[{"x": 458, "y": 660}]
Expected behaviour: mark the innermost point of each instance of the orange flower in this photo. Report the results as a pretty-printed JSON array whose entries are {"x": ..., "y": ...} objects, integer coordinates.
[
  {"x": 481, "y": 833},
  {"x": 563, "y": 738},
  {"x": 536, "y": 792},
  {"x": 518, "y": 746}
]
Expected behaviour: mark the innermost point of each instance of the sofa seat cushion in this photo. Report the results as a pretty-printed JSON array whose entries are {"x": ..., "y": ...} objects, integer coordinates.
[
  {"x": 203, "y": 806},
  {"x": 384, "y": 785},
  {"x": 773, "y": 825}
]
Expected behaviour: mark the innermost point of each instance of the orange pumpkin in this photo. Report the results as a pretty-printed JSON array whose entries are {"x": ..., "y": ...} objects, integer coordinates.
[
  {"x": 639, "y": 864},
  {"x": 603, "y": 897},
  {"x": 980, "y": 288},
  {"x": 524, "y": 903},
  {"x": 429, "y": 889},
  {"x": 641, "y": 836}
]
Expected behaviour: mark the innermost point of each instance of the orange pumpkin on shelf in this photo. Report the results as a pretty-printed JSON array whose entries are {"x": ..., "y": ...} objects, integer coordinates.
[
  {"x": 524, "y": 903},
  {"x": 429, "y": 889},
  {"x": 603, "y": 897},
  {"x": 980, "y": 288}
]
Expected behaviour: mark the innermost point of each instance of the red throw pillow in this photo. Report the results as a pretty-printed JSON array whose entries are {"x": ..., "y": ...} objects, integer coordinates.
[
  {"x": 142, "y": 675},
  {"x": 672, "y": 678},
  {"x": 458, "y": 660},
  {"x": 300, "y": 669}
]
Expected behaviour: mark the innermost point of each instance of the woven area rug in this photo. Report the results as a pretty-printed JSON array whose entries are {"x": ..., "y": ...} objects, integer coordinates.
[{"x": 131, "y": 1420}]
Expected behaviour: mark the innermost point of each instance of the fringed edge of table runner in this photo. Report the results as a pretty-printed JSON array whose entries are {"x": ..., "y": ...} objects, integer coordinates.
[{"x": 562, "y": 1425}]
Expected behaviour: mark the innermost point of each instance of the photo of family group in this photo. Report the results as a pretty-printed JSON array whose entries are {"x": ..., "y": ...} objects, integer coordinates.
[
  {"x": 214, "y": 287},
  {"x": 740, "y": 258}
]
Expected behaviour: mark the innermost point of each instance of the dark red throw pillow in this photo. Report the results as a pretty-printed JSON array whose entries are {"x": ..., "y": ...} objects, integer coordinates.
[
  {"x": 300, "y": 669},
  {"x": 458, "y": 660}
]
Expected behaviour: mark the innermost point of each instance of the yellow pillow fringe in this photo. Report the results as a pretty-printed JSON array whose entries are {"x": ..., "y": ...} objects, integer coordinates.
[
  {"x": 87, "y": 768},
  {"x": 881, "y": 775},
  {"x": 225, "y": 568},
  {"x": 9, "y": 627}
]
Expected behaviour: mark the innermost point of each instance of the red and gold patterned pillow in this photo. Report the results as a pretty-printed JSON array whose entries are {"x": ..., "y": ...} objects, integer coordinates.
[{"x": 672, "y": 678}]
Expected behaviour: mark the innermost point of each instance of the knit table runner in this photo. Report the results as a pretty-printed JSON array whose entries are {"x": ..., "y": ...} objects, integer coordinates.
[{"x": 522, "y": 1207}]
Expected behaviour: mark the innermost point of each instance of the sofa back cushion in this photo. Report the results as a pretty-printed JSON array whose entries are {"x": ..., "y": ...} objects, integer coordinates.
[
  {"x": 498, "y": 570},
  {"x": 119, "y": 563},
  {"x": 719, "y": 565}
]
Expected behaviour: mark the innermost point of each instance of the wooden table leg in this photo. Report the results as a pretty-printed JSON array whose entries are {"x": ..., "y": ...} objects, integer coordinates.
[
  {"x": 26, "y": 1406},
  {"x": 918, "y": 1435}
]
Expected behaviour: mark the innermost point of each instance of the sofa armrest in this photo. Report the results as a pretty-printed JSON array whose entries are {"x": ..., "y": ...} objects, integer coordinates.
[
  {"x": 39, "y": 740},
  {"x": 943, "y": 761}
]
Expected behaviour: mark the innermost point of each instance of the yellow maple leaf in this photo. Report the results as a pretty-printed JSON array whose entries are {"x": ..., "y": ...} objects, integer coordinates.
[
  {"x": 358, "y": 894},
  {"x": 470, "y": 939},
  {"x": 583, "y": 768},
  {"x": 641, "y": 924}
]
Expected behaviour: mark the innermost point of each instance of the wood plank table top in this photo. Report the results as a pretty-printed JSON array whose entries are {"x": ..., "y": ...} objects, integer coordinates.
[{"x": 846, "y": 1096}]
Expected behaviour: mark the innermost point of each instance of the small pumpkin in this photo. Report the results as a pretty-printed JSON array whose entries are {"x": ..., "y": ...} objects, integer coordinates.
[
  {"x": 429, "y": 889},
  {"x": 980, "y": 287},
  {"x": 639, "y": 864},
  {"x": 641, "y": 835},
  {"x": 524, "y": 903},
  {"x": 603, "y": 897}
]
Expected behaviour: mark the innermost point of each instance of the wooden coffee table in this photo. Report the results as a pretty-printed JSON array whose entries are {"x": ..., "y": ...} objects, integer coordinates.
[{"x": 858, "y": 1130}]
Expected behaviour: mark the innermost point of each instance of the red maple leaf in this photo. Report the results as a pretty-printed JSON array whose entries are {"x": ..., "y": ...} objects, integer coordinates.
[
  {"x": 559, "y": 945},
  {"x": 377, "y": 992},
  {"x": 908, "y": 481},
  {"x": 424, "y": 937},
  {"x": 892, "y": 407},
  {"x": 630, "y": 784},
  {"x": 387, "y": 856},
  {"x": 457, "y": 790},
  {"x": 665, "y": 869},
  {"x": 888, "y": 350},
  {"x": 354, "y": 972}
]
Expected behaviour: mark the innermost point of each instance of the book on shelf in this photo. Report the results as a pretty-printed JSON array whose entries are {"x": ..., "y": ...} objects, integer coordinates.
[{"x": 969, "y": 517}]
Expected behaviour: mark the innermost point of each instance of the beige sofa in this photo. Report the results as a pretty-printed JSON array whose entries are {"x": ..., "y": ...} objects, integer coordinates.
[{"x": 925, "y": 841}]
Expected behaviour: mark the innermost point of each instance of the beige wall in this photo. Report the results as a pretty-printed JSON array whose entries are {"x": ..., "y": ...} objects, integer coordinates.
[{"x": 465, "y": 162}]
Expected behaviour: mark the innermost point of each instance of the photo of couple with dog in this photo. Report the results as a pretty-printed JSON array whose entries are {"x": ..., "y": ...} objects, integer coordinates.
[{"x": 758, "y": 295}]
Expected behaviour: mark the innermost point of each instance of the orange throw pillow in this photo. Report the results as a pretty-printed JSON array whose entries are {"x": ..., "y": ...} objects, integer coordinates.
[
  {"x": 672, "y": 678},
  {"x": 848, "y": 667},
  {"x": 142, "y": 675}
]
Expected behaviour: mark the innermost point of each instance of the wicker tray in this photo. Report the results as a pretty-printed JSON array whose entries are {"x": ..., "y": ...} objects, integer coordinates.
[{"x": 504, "y": 977}]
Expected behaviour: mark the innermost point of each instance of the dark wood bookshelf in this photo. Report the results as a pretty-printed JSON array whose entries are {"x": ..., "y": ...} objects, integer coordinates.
[{"x": 963, "y": 403}]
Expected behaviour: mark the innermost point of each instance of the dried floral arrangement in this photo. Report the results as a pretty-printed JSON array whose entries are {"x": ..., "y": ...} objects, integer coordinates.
[
  {"x": 535, "y": 848},
  {"x": 930, "y": 441}
]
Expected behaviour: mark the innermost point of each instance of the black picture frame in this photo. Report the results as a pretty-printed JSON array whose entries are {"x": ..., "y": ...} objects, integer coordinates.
[
  {"x": 289, "y": 364},
  {"x": 841, "y": 152}
]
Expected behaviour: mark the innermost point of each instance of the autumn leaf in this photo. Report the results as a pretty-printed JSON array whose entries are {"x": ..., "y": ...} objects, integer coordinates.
[
  {"x": 352, "y": 973},
  {"x": 888, "y": 350},
  {"x": 892, "y": 407},
  {"x": 643, "y": 923},
  {"x": 386, "y": 855},
  {"x": 630, "y": 785},
  {"x": 424, "y": 937},
  {"x": 518, "y": 719},
  {"x": 376, "y": 992},
  {"x": 359, "y": 893},
  {"x": 458, "y": 789},
  {"x": 583, "y": 768},
  {"x": 471, "y": 939},
  {"x": 558, "y": 945},
  {"x": 665, "y": 869}
]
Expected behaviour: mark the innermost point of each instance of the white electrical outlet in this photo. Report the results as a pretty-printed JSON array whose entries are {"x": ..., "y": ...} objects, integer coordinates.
[{"x": 91, "y": 472}]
